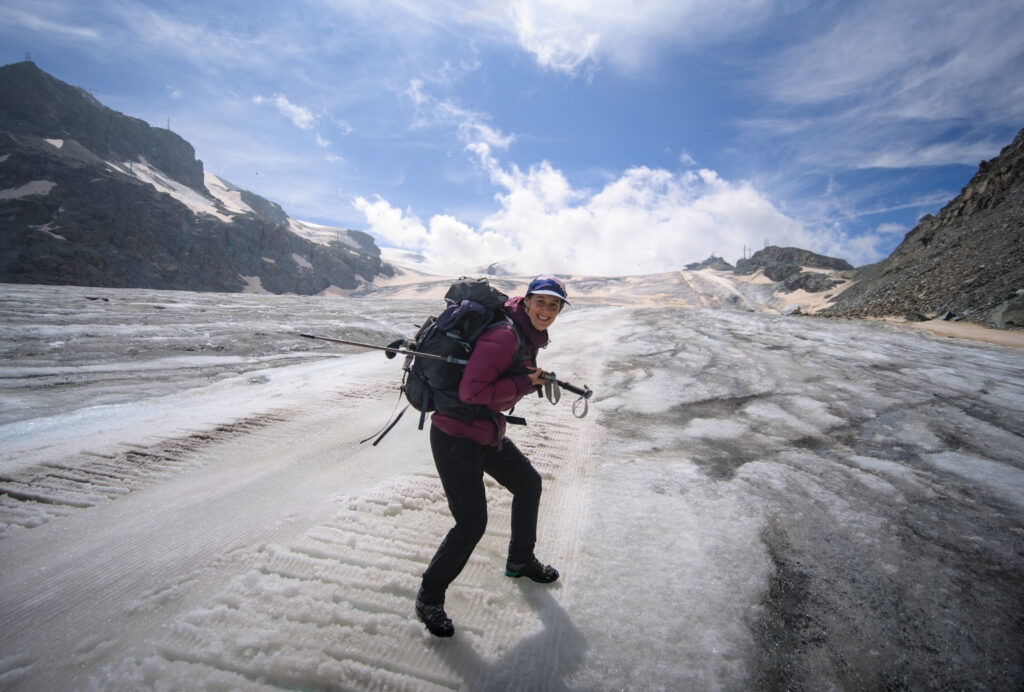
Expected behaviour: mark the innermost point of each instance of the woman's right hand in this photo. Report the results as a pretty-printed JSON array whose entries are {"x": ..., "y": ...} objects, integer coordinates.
[{"x": 536, "y": 377}]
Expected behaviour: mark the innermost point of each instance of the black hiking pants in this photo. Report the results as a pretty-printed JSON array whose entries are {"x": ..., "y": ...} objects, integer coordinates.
[{"x": 461, "y": 464}]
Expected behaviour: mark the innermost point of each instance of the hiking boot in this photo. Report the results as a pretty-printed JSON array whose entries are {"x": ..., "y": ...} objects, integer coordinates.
[
  {"x": 434, "y": 617},
  {"x": 541, "y": 573}
]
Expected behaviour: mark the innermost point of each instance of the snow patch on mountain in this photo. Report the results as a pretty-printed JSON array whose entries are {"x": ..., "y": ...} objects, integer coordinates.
[
  {"x": 195, "y": 201},
  {"x": 227, "y": 194},
  {"x": 321, "y": 234},
  {"x": 35, "y": 187}
]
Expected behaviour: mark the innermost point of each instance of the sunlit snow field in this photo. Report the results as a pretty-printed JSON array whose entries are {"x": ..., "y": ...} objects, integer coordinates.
[{"x": 754, "y": 501}]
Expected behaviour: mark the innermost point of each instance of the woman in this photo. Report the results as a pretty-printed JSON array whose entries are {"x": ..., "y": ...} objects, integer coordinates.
[{"x": 465, "y": 450}]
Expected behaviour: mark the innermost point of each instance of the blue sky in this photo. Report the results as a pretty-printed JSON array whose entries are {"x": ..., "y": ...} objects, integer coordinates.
[{"x": 603, "y": 137}]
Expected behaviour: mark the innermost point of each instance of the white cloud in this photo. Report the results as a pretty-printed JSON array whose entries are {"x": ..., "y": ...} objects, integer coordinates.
[
  {"x": 554, "y": 35},
  {"x": 911, "y": 56},
  {"x": 300, "y": 116},
  {"x": 568, "y": 36},
  {"x": 472, "y": 127},
  {"x": 34, "y": 21},
  {"x": 904, "y": 154},
  {"x": 396, "y": 228},
  {"x": 416, "y": 93},
  {"x": 648, "y": 220},
  {"x": 898, "y": 85}
]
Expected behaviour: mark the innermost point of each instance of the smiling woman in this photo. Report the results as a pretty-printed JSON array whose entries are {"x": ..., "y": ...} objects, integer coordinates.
[
  {"x": 544, "y": 300},
  {"x": 501, "y": 371}
]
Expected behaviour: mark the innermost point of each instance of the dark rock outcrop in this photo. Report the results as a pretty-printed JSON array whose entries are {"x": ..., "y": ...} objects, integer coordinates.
[
  {"x": 966, "y": 262},
  {"x": 712, "y": 262},
  {"x": 36, "y": 104},
  {"x": 786, "y": 266},
  {"x": 496, "y": 269},
  {"x": 812, "y": 282}
]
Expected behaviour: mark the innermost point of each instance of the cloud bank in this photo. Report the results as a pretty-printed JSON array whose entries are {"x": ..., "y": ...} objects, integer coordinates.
[
  {"x": 645, "y": 220},
  {"x": 648, "y": 220}
]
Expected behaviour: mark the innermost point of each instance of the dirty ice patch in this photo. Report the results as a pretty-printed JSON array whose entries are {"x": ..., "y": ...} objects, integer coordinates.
[
  {"x": 978, "y": 434},
  {"x": 895, "y": 473},
  {"x": 907, "y": 428},
  {"x": 715, "y": 429},
  {"x": 813, "y": 412},
  {"x": 952, "y": 380},
  {"x": 689, "y": 572},
  {"x": 650, "y": 391},
  {"x": 1002, "y": 479},
  {"x": 774, "y": 419}
]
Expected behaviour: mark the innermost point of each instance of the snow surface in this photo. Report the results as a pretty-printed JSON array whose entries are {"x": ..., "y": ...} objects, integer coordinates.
[{"x": 754, "y": 502}]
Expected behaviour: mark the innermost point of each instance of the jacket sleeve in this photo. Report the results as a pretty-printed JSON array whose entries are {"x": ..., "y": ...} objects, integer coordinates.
[{"x": 485, "y": 380}]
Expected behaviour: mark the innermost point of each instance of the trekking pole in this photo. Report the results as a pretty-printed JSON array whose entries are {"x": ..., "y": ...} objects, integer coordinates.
[
  {"x": 390, "y": 351},
  {"x": 552, "y": 385}
]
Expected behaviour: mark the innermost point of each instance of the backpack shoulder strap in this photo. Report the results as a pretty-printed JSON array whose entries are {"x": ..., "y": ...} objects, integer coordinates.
[{"x": 519, "y": 350}]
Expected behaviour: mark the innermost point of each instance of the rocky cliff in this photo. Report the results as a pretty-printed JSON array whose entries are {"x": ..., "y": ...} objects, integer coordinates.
[
  {"x": 92, "y": 197},
  {"x": 786, "y": 265},
  {"x": 966, "y": 262}
]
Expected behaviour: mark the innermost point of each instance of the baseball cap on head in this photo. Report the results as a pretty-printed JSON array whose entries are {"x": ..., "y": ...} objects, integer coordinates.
[{"x": 548, "y": 285}]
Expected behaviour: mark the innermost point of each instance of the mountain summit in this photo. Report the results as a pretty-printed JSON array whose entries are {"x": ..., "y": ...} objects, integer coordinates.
[
  {"x": 966, "y": 262},
  {"x": 92, "y": 197}
]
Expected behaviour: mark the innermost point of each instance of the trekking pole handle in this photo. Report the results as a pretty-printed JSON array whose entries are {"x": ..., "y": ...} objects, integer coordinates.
[{"x": 586, "y": 392}]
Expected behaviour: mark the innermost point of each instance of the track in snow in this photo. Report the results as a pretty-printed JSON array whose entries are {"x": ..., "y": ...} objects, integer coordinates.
[
  {"x": 276, "y": 551},
  {"x": 33, "y": 496},
  {"x": 333, "y": 608}
]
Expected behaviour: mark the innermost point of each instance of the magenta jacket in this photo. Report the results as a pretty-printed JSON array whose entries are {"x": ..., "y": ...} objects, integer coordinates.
[{"x": 485, "y": 380}]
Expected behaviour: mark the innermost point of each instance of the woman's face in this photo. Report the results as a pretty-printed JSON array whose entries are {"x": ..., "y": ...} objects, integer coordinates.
[{"x": 542, "y": 310}]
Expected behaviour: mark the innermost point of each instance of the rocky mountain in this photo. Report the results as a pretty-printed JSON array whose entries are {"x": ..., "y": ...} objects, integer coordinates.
[
  {"x": 712, "y": 262},
  {"x": 966, "y": 262},
  {"x": 787, "y": 266},
  {"x": 92, "y": 197}
]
